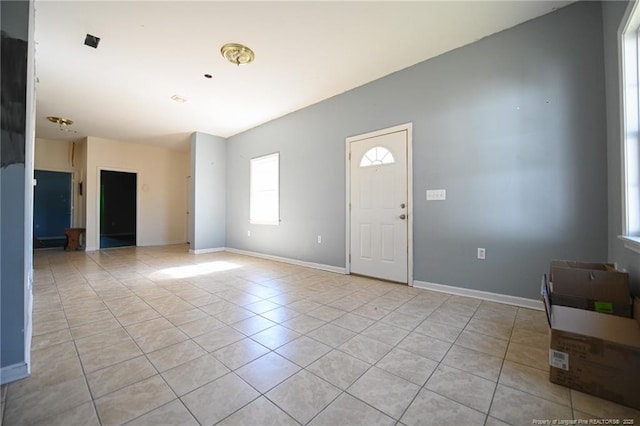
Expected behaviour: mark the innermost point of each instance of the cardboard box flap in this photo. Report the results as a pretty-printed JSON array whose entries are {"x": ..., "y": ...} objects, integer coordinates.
[
  {"x": 583, "y": 265},
  {"x": 593, "y": 281},
  {"x": 624, "y": 331}
]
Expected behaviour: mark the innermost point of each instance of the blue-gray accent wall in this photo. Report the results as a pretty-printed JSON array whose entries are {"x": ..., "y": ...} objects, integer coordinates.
[
  {"x": 512, "y": 126},
  {"x": 15, "y": 35}
]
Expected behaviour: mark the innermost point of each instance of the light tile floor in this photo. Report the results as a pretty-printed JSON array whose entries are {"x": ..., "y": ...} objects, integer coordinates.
[{"x": 156, "y": 336}]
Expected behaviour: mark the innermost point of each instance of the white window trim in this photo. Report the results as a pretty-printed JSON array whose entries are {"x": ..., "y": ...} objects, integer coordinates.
[
  {"x": 251, "y": 189},
  {"x": 628, "y": 49}
]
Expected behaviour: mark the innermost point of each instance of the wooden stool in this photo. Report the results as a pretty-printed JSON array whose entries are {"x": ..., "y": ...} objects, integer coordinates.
[{"x": 73, "y": 238}]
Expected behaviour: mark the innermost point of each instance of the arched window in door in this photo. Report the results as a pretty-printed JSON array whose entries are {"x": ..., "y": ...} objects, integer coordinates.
[{"x": 377, "y": 156}]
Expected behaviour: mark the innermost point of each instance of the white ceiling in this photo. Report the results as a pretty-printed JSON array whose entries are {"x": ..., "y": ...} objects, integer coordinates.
[{"x": 305, "y": 52}]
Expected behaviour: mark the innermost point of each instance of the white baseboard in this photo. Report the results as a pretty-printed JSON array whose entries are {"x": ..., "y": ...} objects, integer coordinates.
[
  {"x": 484, "y": 295},
  {"x": 161, "y": 243},
  {"x": 14, "y": 372},
  {"x": 297, "y": 262},
  {"x": 143, "y": 244},
  {"x": 209, "y": 250}
]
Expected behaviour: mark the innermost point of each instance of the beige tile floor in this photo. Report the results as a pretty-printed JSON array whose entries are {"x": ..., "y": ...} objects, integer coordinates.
[{"x": 156, "y": 336}]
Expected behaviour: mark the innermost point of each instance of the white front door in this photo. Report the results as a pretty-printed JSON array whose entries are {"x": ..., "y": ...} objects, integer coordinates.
[{"x": 378, "y": 201}]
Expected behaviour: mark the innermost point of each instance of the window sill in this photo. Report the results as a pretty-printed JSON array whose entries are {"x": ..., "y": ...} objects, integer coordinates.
[
  {"x": 264, "y": 222},
  {"x": 632, "y": 243}
]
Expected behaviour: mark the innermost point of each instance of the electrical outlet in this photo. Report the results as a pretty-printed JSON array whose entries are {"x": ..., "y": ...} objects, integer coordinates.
[
  {"x": 248, "y": 233},
  {"x": 482, "y": 253},
  {"x": 319, "y": 239}
]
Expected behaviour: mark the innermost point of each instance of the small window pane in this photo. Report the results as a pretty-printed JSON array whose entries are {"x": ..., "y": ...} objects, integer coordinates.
[{"x": 377, "y": 156}]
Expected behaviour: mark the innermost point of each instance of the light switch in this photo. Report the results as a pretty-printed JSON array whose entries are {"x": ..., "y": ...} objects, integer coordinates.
[{"x": 436, "y": 194}]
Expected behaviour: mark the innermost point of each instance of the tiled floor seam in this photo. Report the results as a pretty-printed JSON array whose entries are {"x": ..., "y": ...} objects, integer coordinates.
[
  {"x": 84, "y": 373},
  {"x": 75, "y": 346},
  {"x": 310, "y": 420},
  {"x": 498, "y": 380},
  {"x": 93, "y": 398},
  {"x": 423, "y": 387}
]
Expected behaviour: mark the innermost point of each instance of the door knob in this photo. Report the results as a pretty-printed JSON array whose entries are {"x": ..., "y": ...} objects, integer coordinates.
[
  {"x": 402, "y": 206},
  {"x": 403, "y": 216}
]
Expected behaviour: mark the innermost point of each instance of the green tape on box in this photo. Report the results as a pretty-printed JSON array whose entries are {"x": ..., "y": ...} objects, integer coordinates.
[{"x": 604, "y": 307}]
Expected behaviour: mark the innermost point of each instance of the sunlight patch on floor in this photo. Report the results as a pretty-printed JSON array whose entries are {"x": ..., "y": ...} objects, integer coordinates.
[{"x": 189, "y": 271}]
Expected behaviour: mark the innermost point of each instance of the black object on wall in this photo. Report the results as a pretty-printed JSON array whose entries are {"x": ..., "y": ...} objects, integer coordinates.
[
  {"x": 14, "y": 101},
  {"x": 117, "y": 209}
]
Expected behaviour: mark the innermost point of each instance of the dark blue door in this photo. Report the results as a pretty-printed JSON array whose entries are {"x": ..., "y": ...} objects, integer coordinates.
[{"x": 51, "y": 206}]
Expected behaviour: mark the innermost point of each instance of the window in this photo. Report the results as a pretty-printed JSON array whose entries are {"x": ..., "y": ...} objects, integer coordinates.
[
  {"x": 264, "y": 203},
  {"x": 630, "y": 131},
  {"x": 377, "y": 156}
]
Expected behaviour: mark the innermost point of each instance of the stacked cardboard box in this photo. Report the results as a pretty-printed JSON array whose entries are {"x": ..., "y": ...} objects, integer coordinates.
[
  {"x": 594, "y": 352},
  {"x": 593, "y": 286}
]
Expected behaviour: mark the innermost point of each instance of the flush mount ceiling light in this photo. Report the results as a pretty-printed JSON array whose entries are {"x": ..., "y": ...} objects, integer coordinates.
[
  {"x": 62, "y": 122},
  {"x": 237, "y": 54}
]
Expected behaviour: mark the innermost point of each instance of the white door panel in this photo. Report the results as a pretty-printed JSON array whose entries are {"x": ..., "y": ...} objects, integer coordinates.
[{"x": 379, "y": 232}]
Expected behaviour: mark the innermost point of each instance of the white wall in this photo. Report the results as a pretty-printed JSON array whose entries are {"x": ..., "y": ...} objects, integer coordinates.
[
  {"x": 162, "y": 197},
  {"x": 53, "y": 155},
  {"x": 208, "y": 188}
]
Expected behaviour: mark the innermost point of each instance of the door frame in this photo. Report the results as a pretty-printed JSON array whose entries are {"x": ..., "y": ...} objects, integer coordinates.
[
  {"x": 408, "y": 127},
  {"x": 138, "y": 186}
]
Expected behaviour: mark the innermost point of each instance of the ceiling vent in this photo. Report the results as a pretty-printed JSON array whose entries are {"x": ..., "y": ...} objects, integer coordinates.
[
  {"x": 91, "y": 41},
  {"x": 179, "y": 99}
]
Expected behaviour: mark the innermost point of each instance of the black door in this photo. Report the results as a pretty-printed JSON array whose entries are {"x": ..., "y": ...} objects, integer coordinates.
[{"x": 117, "y": 209}]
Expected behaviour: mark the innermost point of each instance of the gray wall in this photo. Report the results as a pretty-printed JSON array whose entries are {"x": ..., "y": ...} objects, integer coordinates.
[
  {"x": 13, "y": 222},
  {"x": 512, "y": 126},
  {"x": 208, "y": 196},
  {"x": 612, "y": 14}
]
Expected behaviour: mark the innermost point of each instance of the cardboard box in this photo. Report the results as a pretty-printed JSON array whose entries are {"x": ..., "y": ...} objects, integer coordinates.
[
  {"x": 593, "y": 286},
  {"x": 593, "y": 352}
]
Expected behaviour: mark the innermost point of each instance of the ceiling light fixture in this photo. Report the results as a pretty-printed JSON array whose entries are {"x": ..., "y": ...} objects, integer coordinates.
[
  {"x": 62, "y": 123},
  {"x": 237, "y": 53}
]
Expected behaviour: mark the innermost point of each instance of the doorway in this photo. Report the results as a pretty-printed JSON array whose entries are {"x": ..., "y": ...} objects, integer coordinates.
[
  {"x": 379, "y": 221},
  {"x": 118, "y": 208},
  {"x": 52, "y": 208}
]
